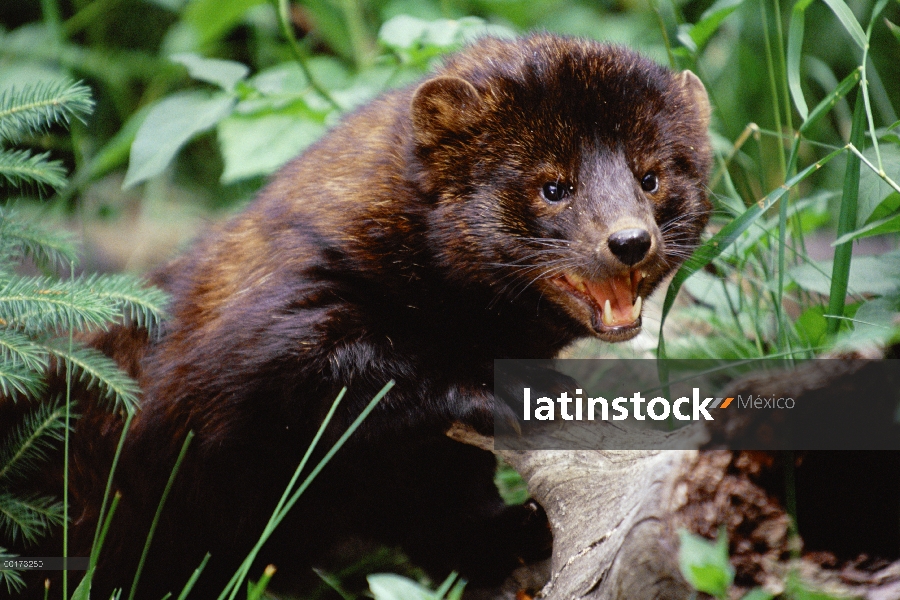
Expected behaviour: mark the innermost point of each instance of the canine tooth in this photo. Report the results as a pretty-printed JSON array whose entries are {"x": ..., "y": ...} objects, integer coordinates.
[
  {"x": 607, "y": 313},
  {"x": 636, "y": 309}
]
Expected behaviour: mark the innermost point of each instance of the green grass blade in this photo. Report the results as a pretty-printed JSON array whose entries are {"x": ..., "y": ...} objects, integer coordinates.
[
  {"x": 98, "y": 541},
  {"x": 729, "y": 234},
  {"x": 159, "y": 509},
  {"x": 278, "y": 516},
  {"x": 235, "y": 581},
  {"x": 827, "y": 103},
  {"x": 193, "y": 580},
  {"x": 845, "y": 16},
  {"x": 256, "y": 591},
  {"x": 102, "y": 530},
  {"x": 894, "y": 29},
  {"x": 843, "y": 253},
  {"x": 794, "y": 51}
]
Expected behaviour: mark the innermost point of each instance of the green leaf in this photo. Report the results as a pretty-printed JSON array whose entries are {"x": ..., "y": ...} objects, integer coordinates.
[
  {"x": 417, "y": 41},
  {"x": 258, "y": 145},
  {"x": 876, "y": 322},
  {"x": 710, "y": 20},
  {"x": 845, "y": 16},
  {"x": 170, "y": 125},
  {"x": 223, "y": 73},
  {"x": 210, "y": 20},
  {"x": 828, "y": 102},
  {"x": 894, "y": 29},
  {"x": 873, "y": 190},
  {"x": 878, "y": 275},
  {"x": 34, "y": 108},
  {"x": 83, "y": 591},
  {"x": 20, "y": 167},
  {"x": 889, "y": 224},
  {"x": 115, "y": 152},
  {"x": 387, "y": 586},
  {"x": 705, "y": 564}
]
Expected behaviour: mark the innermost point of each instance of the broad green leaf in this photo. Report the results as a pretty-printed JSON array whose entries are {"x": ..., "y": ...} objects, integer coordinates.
[
  {"x": 170, "y": 125},
  {"x": 83, "y": 591},
  {"x": 875, "y": 322},
  {"x": 873, "y": 190},
  {"x": 878, "y": 275},
  {"x": 223, "y": 73},
  {"x": 416, "y": 41},
  {"x": 258, "y": 145},
  {"x": 115, "y": 152},
  {"x": 705, "y": 564},
  {"x": 711, "y": 19},
  {"x": 845, "y": 16},
  {"x": 212, "y": 19},
  {"x": 388, "y": 586}
]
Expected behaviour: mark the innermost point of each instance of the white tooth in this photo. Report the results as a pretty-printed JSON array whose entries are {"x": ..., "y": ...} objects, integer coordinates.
[
  {"x": 636, "y": 309},
  {"x": 607, "y": 313}
]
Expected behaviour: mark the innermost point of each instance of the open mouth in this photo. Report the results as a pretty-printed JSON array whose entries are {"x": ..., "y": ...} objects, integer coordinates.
[{"x": 614, "y": 302}]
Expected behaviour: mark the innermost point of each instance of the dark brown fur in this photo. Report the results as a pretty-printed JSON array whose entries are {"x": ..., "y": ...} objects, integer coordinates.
[{"x": 411, "y": 243}]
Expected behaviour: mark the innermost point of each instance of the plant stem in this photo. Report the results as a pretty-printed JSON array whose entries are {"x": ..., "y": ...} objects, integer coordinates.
[
  {"x": 284, "y": 21},
  {"x": 356, "y": 27},
  {"x": 843, "y": 253}
]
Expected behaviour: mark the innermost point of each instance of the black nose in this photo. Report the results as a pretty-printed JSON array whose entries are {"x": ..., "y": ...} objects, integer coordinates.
[{"x": 630, "y": 245}]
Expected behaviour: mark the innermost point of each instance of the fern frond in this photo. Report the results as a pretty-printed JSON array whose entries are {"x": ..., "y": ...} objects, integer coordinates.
[
  {"x": 17, "y": 349},
  {"x": 34, "y": 108},
  {"x": 92, "y": 367},
  {"x": 141, "y": 305},
  {"x": 28, "y": 444},
  {"x": 18, "y": 380},
  {"x": 28, "y": 518},
  {"x": 21, "y": 167},
  {"x": 19, "y": 238},
  {"x": 11, "y": 577},
  {"x": 39, "y": 304}
]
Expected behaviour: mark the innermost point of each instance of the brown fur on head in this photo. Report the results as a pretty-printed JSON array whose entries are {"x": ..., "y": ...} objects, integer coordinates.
[{"x": 621, "y": 141}]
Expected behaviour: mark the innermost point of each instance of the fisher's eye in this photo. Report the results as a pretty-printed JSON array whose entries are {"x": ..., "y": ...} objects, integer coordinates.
[
  {"x": 556, "y": 191},
  {"x": 650, "y": 183}
]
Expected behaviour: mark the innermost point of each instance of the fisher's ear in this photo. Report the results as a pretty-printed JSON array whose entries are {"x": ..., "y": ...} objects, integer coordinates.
[
  {"x": 696, "y": 94},
  {"x": 443, "y": 107}
]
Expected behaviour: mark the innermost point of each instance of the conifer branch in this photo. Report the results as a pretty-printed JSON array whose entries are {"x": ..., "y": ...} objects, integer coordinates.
[
  {"x": 20, "y": 167},
  {"x": 35, "y": 108},
  {"x": 93, "y": 368}
]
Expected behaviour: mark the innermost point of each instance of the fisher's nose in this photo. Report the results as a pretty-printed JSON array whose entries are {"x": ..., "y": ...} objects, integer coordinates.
[{"x": 630, "y": 246}]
